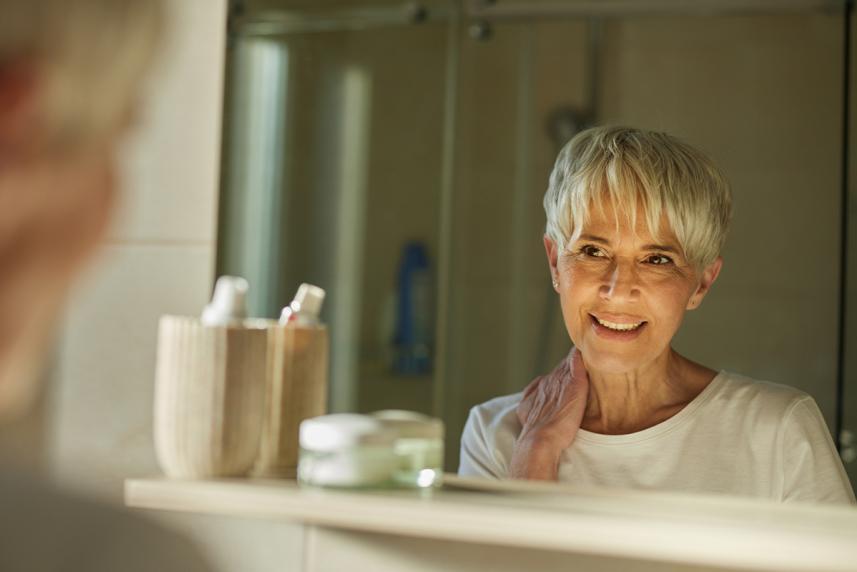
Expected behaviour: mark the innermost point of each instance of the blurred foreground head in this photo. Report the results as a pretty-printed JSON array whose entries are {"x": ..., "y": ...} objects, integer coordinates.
[{"x": 70, "y": 73}]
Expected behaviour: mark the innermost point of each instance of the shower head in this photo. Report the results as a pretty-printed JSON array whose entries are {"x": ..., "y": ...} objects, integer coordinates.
[{"x": 564, "y": 123}]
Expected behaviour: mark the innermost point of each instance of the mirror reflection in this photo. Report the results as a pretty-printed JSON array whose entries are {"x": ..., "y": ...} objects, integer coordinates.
[{"x": 399, "y": 157}]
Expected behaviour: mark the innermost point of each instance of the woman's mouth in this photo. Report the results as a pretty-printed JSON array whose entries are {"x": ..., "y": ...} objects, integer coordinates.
[{"x": 616, "y": 330}]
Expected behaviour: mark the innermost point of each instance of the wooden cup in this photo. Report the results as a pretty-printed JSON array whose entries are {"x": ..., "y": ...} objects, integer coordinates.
[
  {"x": 209, "y": 397},
  {"x": 297, "y": 390}
]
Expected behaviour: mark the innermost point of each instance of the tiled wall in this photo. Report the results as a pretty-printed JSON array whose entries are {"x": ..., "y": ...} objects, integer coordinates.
[{"x": 158, "y": 259}]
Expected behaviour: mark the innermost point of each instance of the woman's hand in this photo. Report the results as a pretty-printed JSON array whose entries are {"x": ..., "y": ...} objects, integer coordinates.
[{"x": 550, "y": 413}]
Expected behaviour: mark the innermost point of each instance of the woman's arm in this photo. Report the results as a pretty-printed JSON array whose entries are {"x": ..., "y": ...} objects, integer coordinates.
[{"x": 812, "y": 469}]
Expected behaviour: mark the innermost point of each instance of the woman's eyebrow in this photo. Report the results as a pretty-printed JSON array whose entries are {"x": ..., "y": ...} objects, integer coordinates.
[
  {"x": 593, "y": 238},
  {"x": 663, "y": 247},
  {"x": 604, "y": 241}
]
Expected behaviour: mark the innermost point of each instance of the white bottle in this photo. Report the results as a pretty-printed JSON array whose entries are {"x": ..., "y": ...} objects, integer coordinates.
[
  {"x": 228, "y": 304},
  {"x": 304, "y": 310}
]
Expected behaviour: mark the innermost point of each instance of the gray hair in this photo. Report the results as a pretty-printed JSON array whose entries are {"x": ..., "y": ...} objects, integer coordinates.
[
  {"x": 629, "y": 167},
  {"x": 89, "y": 55}
]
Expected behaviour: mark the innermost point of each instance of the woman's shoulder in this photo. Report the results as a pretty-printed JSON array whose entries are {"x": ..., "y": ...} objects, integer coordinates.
[
  {"x": 498, "y": 405},
  {"x": 70, "y": 526},
  {"x": 497, "y": 415},
  {"x": 737, "y": 389}
]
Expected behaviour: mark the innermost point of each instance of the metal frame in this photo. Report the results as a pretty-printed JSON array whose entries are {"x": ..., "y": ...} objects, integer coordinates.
[
  {"x": 280, "y": 23},
  {"x": 517, "y": 10}
]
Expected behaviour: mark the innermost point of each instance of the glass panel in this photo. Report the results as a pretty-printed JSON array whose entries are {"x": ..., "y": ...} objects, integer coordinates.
[{"x": 338, "y": 184}]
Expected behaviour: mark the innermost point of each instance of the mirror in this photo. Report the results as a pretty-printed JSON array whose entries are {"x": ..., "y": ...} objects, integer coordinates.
[{"x": 391, "y": 152}]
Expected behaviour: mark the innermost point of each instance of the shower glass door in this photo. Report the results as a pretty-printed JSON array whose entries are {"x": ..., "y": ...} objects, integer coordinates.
[{"x": 333, "y": 174}]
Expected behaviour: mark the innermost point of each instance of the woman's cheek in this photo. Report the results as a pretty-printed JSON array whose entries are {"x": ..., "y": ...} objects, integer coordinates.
[{"x": 573, "y": 316}]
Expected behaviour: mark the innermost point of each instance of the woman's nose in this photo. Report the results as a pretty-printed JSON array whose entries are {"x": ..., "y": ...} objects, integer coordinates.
[{"x": 620, "y": 283}]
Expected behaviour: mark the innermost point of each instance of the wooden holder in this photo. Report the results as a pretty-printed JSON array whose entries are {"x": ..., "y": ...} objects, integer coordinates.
[
  {"x": 297, "y": 390},
  {"x": 209, "y": 397}
]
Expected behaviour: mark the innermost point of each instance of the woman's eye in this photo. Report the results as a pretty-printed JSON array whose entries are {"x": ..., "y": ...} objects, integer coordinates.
[
  {"x": 659, "y": 259},
  {"x": 590, "y": 250}
]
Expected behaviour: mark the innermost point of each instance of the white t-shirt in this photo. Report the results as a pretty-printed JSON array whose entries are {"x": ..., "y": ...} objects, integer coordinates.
[{"x": 738, "y": 436}]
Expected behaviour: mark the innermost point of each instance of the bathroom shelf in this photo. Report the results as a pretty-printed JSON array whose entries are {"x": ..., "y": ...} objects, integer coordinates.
[{"x": 691, "y": 529}]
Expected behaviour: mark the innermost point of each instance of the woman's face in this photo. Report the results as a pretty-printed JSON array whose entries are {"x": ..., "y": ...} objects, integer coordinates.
[
  {"x": 55, "y": 205},
  {"x": 623, "y": 293}
]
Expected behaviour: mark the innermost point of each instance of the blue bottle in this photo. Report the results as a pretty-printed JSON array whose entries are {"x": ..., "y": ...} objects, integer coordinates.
[{"x": 413, "y": 338}]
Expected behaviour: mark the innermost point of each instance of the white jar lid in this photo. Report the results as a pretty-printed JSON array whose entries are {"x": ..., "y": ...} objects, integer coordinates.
[
  {"x": 343, "y": 430},
  {"x": 409, "y": 424}
]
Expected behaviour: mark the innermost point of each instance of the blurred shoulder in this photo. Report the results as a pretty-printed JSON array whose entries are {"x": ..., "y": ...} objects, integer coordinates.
[{"x": 45, "y": 528}]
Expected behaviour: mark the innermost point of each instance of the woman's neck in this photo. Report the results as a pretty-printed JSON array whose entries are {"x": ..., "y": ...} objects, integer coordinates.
[{"x": 632, "y": 401}]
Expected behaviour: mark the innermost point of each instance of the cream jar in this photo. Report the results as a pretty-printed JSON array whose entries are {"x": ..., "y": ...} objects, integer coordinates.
[
  {"x": 346, "y": 450},
  {"x": 418, "y": 447}
]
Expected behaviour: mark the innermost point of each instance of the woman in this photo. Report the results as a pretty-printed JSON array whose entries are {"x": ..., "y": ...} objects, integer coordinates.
[
  {"x": 635, "y": 224},
  {"x": 69, "y": 74}
]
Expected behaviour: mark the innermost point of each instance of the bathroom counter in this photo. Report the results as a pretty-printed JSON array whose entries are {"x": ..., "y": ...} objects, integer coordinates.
[{"x": 724, "y": 532}]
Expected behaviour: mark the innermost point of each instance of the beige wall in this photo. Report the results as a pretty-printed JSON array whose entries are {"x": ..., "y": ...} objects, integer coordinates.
[{"x": 159, "y": 259}]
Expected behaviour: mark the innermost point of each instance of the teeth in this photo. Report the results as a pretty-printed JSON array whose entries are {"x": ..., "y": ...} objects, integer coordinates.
[{"x": 619, "y": 327}]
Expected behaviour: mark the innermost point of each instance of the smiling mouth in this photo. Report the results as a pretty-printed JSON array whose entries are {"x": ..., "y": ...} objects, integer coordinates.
[{"x": 618, "y": 327}]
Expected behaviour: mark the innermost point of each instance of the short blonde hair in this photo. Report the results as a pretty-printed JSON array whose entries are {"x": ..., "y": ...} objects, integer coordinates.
[
  {"x": 90, "y": 56},
  {"x": 628, "y": 167}
]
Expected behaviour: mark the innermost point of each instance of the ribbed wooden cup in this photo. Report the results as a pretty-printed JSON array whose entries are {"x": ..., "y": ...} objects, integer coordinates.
[
  {"x": 297, "y": 390},
  {"x": 209, "y": 397}
]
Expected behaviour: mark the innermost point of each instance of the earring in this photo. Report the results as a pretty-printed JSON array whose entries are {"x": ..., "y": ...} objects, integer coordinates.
[{"x": 555, "y": 283}]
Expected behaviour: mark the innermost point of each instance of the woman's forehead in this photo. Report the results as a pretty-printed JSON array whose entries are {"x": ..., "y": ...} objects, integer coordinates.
[{"x": 611, "y": 223}]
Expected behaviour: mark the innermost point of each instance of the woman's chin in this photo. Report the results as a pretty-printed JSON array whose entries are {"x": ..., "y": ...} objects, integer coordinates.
[{"x": 609, "y": 363}]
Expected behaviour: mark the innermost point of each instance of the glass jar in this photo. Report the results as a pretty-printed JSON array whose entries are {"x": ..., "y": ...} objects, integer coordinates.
[{"x": 418, "y": 447}]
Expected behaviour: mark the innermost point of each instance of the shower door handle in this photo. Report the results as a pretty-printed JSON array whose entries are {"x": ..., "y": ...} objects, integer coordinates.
[{"x": 847, "y": 448}]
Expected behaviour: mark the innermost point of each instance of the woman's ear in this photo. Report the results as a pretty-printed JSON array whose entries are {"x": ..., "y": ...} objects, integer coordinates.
[
  {"x": 709, "y": 275},
  {"x": 552, "y": 253},
  {"x": 19, "y": 90}
]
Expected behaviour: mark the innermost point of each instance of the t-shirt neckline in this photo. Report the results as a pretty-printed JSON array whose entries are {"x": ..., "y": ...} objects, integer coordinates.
[{"x": 663, "y": 427}]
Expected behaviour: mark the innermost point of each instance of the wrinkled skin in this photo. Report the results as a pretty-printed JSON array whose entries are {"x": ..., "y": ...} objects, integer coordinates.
[{"x": 550, "y": 412}]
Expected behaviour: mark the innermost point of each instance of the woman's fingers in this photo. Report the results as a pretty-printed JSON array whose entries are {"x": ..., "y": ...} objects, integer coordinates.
[
  {"x": 547, "y": 398},
  {"x": 577, "y": 367},
  {"x": 533, "y": 386},
  {"x": 550, "y": 413},
  {"x": 523, "y": 410},
  {"x": 526, "y": 403}
]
